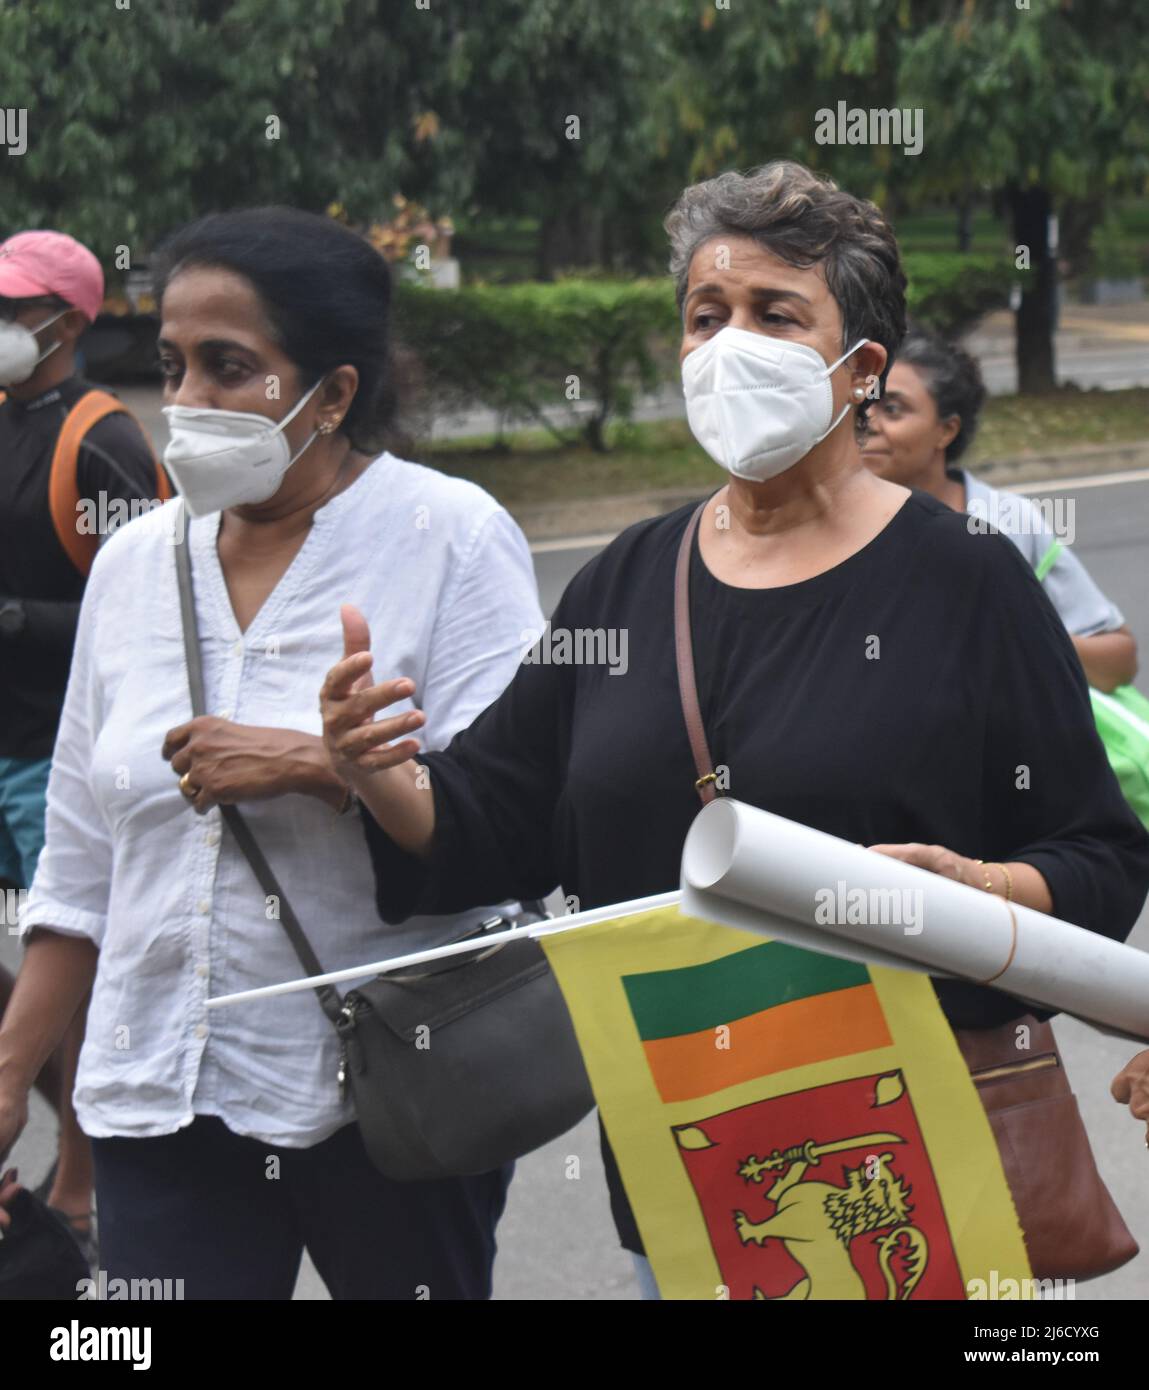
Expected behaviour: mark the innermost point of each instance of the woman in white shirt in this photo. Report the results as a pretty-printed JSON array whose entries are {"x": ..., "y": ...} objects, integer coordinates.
[
  {"x": 924, "y": 422},
  {"x": 223, "y": 1146}
]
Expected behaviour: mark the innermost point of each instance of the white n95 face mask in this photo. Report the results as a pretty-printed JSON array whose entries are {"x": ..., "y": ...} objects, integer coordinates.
[
  {"x": 228, "y": 458},
  {"x": 756, "y": 404},
  {"x": 20, "y": 353}
]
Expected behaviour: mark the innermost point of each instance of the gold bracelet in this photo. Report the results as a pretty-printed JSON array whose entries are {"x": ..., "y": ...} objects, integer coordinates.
[
  {"x": 988, "y": 880},
  {"x": 1008, "y": 880}
]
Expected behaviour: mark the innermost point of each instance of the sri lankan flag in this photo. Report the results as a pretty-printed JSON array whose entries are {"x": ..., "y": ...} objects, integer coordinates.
[{"x": 788, "y": 1125}]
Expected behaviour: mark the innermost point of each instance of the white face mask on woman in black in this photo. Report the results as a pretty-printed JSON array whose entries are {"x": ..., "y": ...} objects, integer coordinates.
[{"x": 757, "y": 404}]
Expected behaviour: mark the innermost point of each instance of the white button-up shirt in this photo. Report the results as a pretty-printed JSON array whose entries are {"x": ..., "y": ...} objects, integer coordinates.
[{"x": 445, "y": 580}]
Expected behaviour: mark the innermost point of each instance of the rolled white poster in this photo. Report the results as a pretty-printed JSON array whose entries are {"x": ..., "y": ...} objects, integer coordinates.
[{"x": 752, "y": 869}]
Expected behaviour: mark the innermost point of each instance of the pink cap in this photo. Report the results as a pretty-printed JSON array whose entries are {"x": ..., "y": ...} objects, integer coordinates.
[{"x": 41, "y": 263}]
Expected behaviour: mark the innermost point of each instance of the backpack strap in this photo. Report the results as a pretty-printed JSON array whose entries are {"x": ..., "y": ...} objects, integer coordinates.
[
  {"x": 63, "y": 480},
  {"x": 1048, "y": 560}
]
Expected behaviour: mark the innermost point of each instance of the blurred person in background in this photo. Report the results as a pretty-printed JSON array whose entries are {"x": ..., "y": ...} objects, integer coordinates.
[
  {"x": 69, "y": 453},
  {"x": 915, "y": 434}
]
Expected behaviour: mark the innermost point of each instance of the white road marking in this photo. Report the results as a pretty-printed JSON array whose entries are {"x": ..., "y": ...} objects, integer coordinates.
[
  {"x": 1139, "y": 475},
  {"x": 572, "y": 543}
]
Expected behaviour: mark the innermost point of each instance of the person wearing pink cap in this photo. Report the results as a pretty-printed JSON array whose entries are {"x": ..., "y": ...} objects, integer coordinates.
[{"x": 63, "y": 445}]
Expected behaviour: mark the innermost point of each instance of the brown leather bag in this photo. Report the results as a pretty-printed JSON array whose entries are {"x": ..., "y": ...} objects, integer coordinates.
[{"x": 1071, "y": 1226}]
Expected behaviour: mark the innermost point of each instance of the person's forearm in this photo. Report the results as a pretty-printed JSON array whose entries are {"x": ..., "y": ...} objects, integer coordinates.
[
  {"x": 56, "y": 975},
  {"x": 1028, "y": 884},
  {"x": 1109, "y": 659},
  {"x": 401, "y": 801},
  {"x": 316, "y": 776}
]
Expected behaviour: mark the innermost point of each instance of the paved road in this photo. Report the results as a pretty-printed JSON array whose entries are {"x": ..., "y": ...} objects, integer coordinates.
[{"x": 557, "y": 1240}]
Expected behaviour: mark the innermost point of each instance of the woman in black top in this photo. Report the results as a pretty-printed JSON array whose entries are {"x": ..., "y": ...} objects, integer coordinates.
[{"x": 866, "y": 665}]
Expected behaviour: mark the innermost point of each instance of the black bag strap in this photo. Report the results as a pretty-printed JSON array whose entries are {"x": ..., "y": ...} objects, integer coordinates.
[{"x": 326, "y": 994}]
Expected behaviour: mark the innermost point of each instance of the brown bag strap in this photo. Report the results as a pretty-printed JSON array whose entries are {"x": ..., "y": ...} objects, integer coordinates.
[{"x": 684, "y": 654}]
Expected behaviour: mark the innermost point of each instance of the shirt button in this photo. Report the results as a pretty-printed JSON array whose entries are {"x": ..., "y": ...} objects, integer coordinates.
[
  {"x": 225, "y": 713},
  {"x": 201, "y": 1030},
  {"x": 203, "y": 906},
  {"x": 201, "y": 971},
  {"x": 211, "y": 837},
  {"x": 237, "y": 647}
]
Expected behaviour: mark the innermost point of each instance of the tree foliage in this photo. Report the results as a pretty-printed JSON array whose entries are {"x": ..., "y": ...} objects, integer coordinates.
[{"x": 582, "y": 115}]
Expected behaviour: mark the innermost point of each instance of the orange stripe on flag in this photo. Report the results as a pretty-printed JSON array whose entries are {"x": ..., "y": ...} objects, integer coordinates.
[{"x": 789, "y": 1035}]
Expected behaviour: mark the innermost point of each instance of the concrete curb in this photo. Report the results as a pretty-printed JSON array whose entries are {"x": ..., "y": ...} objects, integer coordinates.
[{"x": 606, "y": 516}]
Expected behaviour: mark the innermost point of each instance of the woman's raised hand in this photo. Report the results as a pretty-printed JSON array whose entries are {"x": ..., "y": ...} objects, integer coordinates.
[{"x": 356, "y": 741}]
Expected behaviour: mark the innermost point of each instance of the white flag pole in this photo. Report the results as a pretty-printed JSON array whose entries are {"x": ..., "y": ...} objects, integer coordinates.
[{"x": 547, "y": 927}]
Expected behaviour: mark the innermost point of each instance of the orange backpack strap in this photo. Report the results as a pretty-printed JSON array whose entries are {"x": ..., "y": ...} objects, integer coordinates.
[{"x": 63, "y": 482}]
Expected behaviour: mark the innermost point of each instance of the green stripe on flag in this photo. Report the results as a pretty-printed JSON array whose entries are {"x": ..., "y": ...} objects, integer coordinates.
[{"x": 666, "y": 1003}]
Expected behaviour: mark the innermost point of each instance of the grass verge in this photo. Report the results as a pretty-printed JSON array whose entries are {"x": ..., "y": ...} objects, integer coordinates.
[{"x": 663, "y": 454}]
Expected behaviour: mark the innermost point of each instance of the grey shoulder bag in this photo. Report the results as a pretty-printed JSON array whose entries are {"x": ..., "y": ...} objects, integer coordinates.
[{"x": 455, "y": 1068}]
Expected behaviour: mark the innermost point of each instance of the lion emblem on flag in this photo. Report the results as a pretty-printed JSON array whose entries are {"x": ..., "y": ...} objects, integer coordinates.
[
  {"x": 817, "y": 1221},
  {"x": 844, "y": 1204}
]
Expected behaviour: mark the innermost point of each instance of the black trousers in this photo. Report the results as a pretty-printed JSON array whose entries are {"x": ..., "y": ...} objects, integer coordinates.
[{"x": 231, "y": 1216}]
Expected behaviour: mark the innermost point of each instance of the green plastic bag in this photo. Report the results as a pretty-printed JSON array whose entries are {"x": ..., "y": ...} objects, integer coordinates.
[{"x": 1123, "y": 722}]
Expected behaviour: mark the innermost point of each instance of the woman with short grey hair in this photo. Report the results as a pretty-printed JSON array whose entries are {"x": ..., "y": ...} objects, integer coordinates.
[{"x": 865, "y": 665}]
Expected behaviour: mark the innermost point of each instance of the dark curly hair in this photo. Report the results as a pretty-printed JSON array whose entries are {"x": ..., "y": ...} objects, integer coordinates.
[
  {"x": 952, "y": 377},
  {"x": 805, "y": 219}
]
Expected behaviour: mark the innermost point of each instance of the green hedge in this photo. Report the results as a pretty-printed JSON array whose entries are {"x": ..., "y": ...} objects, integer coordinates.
[
  {"x": 950, "y": 291},
  {"x": 522, "y": 349},
  {"x": 526, "y": 351}
]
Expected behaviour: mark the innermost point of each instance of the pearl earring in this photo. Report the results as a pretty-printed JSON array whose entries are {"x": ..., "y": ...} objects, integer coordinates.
[{"x": 859, "y": 393}]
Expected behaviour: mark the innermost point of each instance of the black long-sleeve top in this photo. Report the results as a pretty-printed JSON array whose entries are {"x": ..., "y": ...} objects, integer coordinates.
[
  {"x": 115, "y": 460},
  {"x": 922, "y": 690}
]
